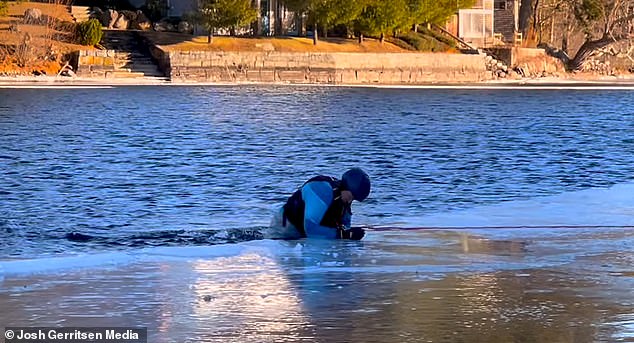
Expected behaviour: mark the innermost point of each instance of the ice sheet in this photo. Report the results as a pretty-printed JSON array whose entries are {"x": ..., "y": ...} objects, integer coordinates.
[{"x": 593, "y": 207}]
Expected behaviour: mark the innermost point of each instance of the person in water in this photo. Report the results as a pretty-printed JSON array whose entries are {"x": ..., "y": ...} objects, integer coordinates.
[{"x": 321, "y": 207}]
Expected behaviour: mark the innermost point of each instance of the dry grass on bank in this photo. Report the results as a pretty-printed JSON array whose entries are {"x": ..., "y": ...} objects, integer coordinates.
[
  {"x": 42, "y": 39},
  {"x": 185, "y": 42},
  {"x": 16, "y": 13}
]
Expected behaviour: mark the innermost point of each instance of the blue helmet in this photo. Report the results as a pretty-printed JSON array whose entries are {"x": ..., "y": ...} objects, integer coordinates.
[{"x": 357, "y": 182}]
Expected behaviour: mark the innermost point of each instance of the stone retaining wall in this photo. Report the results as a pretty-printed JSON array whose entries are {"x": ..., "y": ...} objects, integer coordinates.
[
  {"x": 160, "y": 57},
  {"x": 328, "y": 68},
  {"x": 93, "y": 63}
]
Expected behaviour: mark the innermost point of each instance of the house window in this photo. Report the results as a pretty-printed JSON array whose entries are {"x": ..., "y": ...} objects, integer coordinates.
[
  {"x": 483, "y": 4},
  {"x": 500, "y": 5}
]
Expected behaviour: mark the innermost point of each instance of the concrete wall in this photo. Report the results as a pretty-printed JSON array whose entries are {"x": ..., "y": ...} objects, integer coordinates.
[
  {"x": 504, "y": 19},
  {"x": 534, "y": 62},
  {"x": 329, "y": 68},
  {"x": 93, "y": 63}
]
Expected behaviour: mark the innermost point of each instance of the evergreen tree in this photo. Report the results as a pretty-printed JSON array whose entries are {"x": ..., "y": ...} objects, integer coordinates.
[
  {"x": 321, "y": 13},
  {"x": 4, "y": 7},
  {"x": 231, "y": 14},
  {"x": 325, "y": 14},
  {"x": 347, "y": 11},
  {"x": 435, "y": 11},
  {"x": 381, "y": 17}
]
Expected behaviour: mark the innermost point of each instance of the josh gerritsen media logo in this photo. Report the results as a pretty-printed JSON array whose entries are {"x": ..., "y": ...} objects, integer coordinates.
[{"x": 75, "y": 335}]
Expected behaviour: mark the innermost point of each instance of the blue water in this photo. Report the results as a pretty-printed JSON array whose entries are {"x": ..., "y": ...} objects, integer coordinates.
[
  {"x": 88, "y": 169},
  {"x": 104, "y": 193}
]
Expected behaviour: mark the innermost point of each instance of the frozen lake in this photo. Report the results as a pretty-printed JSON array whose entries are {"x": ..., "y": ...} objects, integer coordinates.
[{"x": 537, "y": 285}]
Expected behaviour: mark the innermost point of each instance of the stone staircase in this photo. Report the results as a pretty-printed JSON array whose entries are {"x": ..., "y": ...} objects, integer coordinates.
[
  {"x": 493, "y": 64},
  {"x": 132, "y": 59},
  {"x": 80, "y": 13}
]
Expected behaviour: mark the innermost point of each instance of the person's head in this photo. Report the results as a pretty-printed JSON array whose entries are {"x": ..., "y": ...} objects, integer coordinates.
[{"x": 355, "y": 185}]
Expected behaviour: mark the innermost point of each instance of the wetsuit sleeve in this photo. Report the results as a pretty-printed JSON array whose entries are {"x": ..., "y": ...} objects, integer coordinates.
[
  {"x": 347, "y": 217},
  {"x": 317, "y": 196}
]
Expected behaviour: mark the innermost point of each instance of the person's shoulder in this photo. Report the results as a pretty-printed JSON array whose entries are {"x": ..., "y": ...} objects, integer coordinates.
[
  {"x": 323, "y": 178},
  {"x": 323, "y": 189},
  {"x": 317, "y": 184}
]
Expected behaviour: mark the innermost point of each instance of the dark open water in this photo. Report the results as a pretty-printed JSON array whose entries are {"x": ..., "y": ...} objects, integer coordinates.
[
  {"x": 145, "y": 165},
  {"x": 104, "y": 193}
]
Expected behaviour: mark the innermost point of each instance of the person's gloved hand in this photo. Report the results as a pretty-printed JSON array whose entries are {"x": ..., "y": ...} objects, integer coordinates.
[{"x": 354, "y": 233}]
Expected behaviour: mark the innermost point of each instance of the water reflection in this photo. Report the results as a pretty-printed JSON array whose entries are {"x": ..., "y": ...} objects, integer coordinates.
[
  {"x": 252, "y": 301},
  {"x": 623, "y": 327}
]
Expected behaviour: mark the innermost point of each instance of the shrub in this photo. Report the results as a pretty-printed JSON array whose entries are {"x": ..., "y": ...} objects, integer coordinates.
[
  {"x": 24, "y": 52},
  {"x": 423, "y": 42},
  {"x": 414, "y": 40},
  {"x": 64, "y": 31},
  {"x": 155, "y": 9},
  {"x": 439, "y": 37},
  {"x": 191, "y": 17},
  {"x": 4, "y": 7},
  {"x": 401, "y": 43},
  {"x": 89, "y": 32},
  {"x": 4, "y": 54}
]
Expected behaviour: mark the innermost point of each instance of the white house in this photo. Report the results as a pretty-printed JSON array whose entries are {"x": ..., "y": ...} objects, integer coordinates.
[
  {"x": 487, "y": 22},
  {"x": 273, "y": 17}
]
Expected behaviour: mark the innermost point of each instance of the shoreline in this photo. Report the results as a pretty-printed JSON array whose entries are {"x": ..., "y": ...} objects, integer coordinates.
[{"x": 602, "y": 82}]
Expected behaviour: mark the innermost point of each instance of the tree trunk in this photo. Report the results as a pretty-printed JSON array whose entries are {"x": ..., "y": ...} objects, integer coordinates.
[
  {"x": 588, "y": 49},
  {"x": 278, "y": 19},
  {"x": 301, "y": 28},
  {"x": 536, "y": 29},
  {"x": 315, "y": 34},
  {"x": 325, "y": 32},
  {"x": 382, "y": 38},
  {"x": 210, "y": 38},
  {"x": 415, "y": 27},
  {"x": 232, "y": 31},
  {"x": 526, "y": 8},
  {"x": 298, "y": 24},
  {"x": 360, "y": 38},
  {"x": 552, "y": 29}
]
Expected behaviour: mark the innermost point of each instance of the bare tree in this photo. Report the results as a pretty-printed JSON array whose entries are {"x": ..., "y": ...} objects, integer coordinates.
[{"x": 600, "y": 22}]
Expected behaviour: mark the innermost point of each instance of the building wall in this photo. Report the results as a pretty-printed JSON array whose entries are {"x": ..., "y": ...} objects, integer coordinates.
[
  {"x": 273, "y": 18},
  {"x": 177, "y": 8},
  {"x": 505, "y": 19},
  {"x": 452, "y": 25},
  {"x": 476, "y": 24}
]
